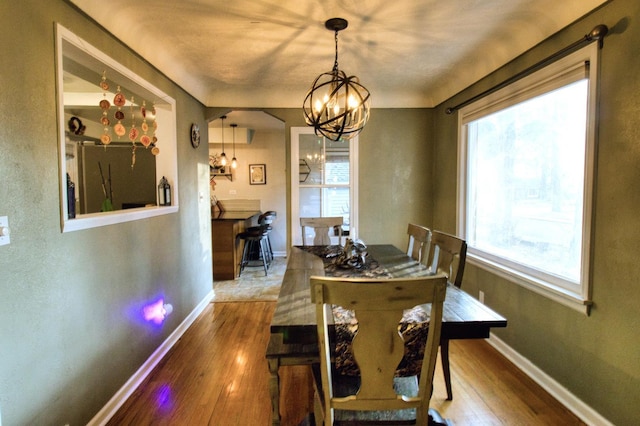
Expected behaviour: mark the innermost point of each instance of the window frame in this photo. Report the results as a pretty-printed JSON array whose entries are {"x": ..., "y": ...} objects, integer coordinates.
[
  {"x": 166, "y": 162},
  {"x": 542, "y": 81},
  {"x": 296, "y": 231}
]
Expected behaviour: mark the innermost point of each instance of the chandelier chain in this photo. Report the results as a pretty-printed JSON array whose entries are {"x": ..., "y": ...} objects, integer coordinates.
[{"x": 335, "y": 63}]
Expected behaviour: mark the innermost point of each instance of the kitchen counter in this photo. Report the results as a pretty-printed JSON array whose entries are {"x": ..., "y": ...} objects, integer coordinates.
[{"x": 226, "y": 249}]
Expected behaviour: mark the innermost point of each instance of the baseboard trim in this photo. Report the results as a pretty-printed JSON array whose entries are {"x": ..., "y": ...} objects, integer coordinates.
[
  {"x": 114, "y": 404},
  {"x": 559, "y": 392}
]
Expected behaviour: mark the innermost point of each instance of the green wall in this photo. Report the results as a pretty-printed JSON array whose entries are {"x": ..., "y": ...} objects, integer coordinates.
[
  {"x": 395, "y": 171},
  {"x": 595, "y": 357},
  {"x": 68, "y": 338},
  {"x": 67, "y": 343}
]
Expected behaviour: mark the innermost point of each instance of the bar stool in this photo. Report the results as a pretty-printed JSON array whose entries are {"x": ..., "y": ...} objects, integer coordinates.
[
  {"x": 254, "y": 238},
  {"x": 267, "y": 219}
]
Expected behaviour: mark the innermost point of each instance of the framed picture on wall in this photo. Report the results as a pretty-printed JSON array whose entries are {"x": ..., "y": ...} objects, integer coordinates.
[{"x": 257, "y": 174}]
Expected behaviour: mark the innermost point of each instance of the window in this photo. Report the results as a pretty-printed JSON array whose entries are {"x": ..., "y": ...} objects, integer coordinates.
[
  {"x": 323, "y": 179},
  {"x": 526, "y": 177},
  {"x": 85, "y": 164}
]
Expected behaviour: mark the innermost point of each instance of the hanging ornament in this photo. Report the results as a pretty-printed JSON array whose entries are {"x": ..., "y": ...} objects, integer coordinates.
[
  {"x": 145, "y": 140},
  {"x": 105, "y": 139},
  {"x": 119, "y": 101},
  {"x": 133, "y": 132},
  {"x": 154, "y": 140}
]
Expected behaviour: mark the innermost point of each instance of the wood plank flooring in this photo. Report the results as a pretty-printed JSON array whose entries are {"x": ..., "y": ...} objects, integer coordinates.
[{"x": 217, "y": 375}]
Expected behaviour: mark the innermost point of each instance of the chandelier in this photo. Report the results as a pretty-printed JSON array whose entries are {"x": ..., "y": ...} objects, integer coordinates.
[{"x": 337, "y": 106}]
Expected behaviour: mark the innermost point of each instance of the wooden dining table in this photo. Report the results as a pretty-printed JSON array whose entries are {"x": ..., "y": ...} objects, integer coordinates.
[{"x": 293, "y": 339}]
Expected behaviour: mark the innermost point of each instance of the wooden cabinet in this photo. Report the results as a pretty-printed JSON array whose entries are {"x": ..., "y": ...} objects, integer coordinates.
[{"x": 226, "y": 250}]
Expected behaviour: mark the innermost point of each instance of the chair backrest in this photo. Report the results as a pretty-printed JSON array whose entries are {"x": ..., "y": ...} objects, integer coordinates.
[
  {"x": 378, "y": 347},
  {"x": 267, "y": 218},
  {"x": 321, "y": 226},
  {"x": 448, "y": 255},
  {"x": 418, "y": 244}
]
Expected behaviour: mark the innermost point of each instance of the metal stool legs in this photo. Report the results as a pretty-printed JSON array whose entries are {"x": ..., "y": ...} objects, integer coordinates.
[{"x": 251, "y": 238}]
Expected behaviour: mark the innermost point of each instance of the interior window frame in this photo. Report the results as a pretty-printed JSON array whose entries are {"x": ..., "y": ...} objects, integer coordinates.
[{"x": 166, "y": 161}]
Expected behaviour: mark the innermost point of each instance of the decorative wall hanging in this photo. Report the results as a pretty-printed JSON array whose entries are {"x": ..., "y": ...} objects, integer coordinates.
[
  {"x": 154, "y": 140},
  {"x": 145, "y": 140},
  {"x": 257, "y": 174},
  {"x": 105, "y": 105}
]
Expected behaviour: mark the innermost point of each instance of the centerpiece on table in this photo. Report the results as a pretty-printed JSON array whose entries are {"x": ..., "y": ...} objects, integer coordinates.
[{"x": 353, "y": 254}]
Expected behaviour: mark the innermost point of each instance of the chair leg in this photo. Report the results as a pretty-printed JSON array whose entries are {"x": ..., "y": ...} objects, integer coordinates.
[
  {"x": 444, "y": 354},
  {"x": 270, "y": 247},
  {"x": 264, "y": 256},
  {"x": 243, "y": 261}
]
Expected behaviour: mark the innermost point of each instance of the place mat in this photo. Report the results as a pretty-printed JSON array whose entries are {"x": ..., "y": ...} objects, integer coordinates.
[{"x": 370, "y": 269}]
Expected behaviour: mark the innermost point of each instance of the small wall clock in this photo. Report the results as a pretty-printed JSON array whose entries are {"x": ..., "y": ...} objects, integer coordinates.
[{"x": 195, "y": 135}]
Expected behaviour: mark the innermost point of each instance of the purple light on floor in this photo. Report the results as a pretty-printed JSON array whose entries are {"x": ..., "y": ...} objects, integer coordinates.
[
  {"x": 156, "y": 312},
  {"x": 163, "y": 398}
]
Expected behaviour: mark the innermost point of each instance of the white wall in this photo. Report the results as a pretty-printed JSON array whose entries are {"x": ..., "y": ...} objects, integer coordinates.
[{"x": 267, "y": 147}]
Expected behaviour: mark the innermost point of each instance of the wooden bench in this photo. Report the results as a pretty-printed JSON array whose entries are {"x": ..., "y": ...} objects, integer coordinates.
[{"x": 283, "y": 354}]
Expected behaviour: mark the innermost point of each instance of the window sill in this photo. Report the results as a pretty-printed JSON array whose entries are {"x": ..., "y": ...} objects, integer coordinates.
[
  {"x": 557, "y": 294},
  {"x": 93, "y": 220}
]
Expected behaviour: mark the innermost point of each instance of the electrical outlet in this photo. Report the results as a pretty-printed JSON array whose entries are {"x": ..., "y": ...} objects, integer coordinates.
[
  {"x": 481, "y": 296},
  {"x": 4, "y": 231}
]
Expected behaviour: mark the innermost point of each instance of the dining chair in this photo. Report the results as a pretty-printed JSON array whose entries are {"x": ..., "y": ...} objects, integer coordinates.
[
  {"x": 448, "y": 255},
  {"x": 375, "y": 395},
  {"x": 321, "y": 227},
  {"x": 418, "y": 242}
]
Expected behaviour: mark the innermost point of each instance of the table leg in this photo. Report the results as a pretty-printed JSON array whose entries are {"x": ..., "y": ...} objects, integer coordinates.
[
  {"x": 444, "y": 354},
  {"x": 274, "y": 389}
]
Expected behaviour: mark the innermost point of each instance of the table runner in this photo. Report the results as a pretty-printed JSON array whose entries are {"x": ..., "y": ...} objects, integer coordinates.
[{"x": 328, "y": 254}]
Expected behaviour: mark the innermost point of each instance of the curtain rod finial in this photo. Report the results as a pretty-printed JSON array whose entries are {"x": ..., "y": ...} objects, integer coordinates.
[{"x": 598, "y": 32}]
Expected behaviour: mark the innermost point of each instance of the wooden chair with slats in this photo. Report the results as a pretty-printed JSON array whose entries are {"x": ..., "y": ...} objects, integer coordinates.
[
  {"x": 447, "y": 256},
  {"x": 419, "y": 238},
  {"x": 375, "y": 396},
  {"x": 321, "y": 227}
]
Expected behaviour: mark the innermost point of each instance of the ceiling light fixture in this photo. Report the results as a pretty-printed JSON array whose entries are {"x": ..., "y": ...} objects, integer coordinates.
[
  {"x": 223, "y": 156},
  {"x": 337, "y": 106},
  {"x": 234, "y": 162}
]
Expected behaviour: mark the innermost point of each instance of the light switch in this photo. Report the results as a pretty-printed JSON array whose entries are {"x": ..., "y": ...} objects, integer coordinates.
[{"x": 4, "y": 231}]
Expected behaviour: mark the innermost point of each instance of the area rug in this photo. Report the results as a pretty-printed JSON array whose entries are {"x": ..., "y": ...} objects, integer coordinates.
[{"x": 252, "y": 286}]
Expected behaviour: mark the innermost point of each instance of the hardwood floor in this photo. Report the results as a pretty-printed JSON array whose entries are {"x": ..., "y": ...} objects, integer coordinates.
[{"x": 217, "y": 375}]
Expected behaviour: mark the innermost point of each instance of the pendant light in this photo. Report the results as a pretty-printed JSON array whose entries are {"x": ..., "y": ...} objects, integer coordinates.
[
  {"x": 337, "y": 106},
  {"x": 234, "y": 162},
  {"x": 223, "y": 156}
]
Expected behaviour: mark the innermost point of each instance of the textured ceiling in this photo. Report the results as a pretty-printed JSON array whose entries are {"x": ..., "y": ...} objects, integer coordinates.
[{"x": 266, "y": 53}]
